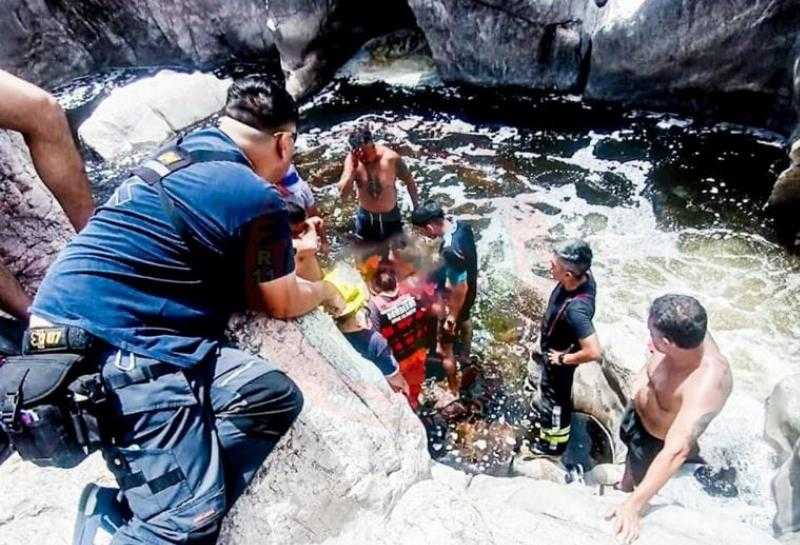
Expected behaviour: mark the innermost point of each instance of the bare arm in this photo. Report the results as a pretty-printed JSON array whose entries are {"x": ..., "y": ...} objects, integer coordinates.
[
  {"x": 270, "y": 283},
  {"x": 590, "y": 351},
  {"x": 37, "y": 115},
  {"x": 345, "y": 184},
  {"x": 455, "y": 302},
  {"x": 306, "y": 247},
  {"x": 13, "y": 298},
  {"x": 405, "y": 175},
  {"x": 695, "y": 415}
]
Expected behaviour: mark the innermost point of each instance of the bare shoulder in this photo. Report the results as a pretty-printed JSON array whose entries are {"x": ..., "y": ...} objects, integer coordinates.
[
  {"x": 387, "y": 154},
  {"x": 715, "y": 380}
]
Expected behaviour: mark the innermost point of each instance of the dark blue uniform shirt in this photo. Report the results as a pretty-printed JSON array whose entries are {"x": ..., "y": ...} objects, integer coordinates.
[{"x": 130, "y": 279}]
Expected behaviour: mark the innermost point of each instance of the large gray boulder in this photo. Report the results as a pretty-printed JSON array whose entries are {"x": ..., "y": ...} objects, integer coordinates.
[
  {"x": 782, "y": 431},
  {"x": 48, "y": 42},
  {"x": 786, "y": 493},
  {"x": 33, "y": 228},
  {"x": 782, "y": 423},
  {"x": 698, "y": 54},
  {"x": 535, "y": 44},
  {"x": 784, "y": 199},
  {"x": 140, "y": 116}
]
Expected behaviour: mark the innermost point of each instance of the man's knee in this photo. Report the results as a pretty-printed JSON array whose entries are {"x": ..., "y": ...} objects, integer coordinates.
[{"x": 268, "y": 404}]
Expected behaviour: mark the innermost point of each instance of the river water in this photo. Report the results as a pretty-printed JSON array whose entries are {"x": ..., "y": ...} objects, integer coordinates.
[{"x": 668, "y": 204}]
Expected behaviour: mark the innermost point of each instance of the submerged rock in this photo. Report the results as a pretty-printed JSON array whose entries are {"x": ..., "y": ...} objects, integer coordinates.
[
  {"x": 138, "y": 117},
  {"x": 33, "y": 227}
]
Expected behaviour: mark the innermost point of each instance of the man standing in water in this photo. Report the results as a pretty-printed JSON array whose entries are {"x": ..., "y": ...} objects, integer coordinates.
[
  {"x": 374, "y": 169},
  {"x": 568, "y": 339},
  {"x": 457, "y": 280},
  {"x": 678, "y": 393}
]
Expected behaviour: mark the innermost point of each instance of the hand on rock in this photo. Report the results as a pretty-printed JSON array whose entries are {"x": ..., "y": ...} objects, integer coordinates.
[{"x": 626, "y": 519}]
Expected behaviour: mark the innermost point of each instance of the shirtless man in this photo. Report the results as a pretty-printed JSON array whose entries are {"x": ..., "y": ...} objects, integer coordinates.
[
  {"x": 679, "y": 392},
  {"x": 374, "y": 169}
]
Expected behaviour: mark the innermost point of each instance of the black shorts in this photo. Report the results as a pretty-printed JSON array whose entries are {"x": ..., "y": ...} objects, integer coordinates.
[
  {"x": 378, "y": 226},
  {"x": 642, "y": 446}
]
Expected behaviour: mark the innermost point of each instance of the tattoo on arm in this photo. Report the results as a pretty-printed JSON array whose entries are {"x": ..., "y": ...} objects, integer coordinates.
[{"x": 701, "y": 424}]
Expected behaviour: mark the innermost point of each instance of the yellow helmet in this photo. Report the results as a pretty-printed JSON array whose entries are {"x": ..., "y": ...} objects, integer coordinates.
[{"x": 354, "y": 295}]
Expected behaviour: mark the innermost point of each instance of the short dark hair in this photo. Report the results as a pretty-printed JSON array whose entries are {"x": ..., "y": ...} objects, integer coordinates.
[
  {"x": 297, "y": 214},
  {"x": 426, "y": 213},
  {"x": 575, "y": 254},
  {"x": 261, "y": 103},
  {"x": 361, "y": 136},
  {"x": 682, "y": 319}
]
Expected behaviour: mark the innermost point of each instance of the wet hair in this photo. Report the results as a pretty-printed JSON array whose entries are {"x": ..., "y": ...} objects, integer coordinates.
[
  {"x": 575, "y": 254},
  {"x": 426, "y": 213},
  {"x": 261, "y": 103},
  {"x": 297, "y": 214},
  {"x": 682, "y": 319},
  {"x": 360, "y": 137}
]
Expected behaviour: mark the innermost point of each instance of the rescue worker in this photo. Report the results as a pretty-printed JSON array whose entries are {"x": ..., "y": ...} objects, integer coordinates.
[
  {"x": 404, "y": 313},
  {"x": 457, "y": 280},
  {"x": 568, "y": 339},
  {"x": 194, "y": 234}
]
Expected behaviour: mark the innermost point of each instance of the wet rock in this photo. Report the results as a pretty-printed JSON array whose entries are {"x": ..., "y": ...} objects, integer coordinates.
[
  {"x": 697, "y": 55},
  {"x": 782, "y": 422},
  {"x": 315, "y": 37},
  {"x": 326, "y": 474},
  {"x": 400, "y": 59},
  {"x": 782, "y": 431},
  {"x": 138, "y": 117},
  {"x": 593, "y": 394},
  {"x": 33, "y": 228},
  {"x": 784, "y": 200},
  {"x": 48, "y": 42},
  {"x": 539, "y": 45}
]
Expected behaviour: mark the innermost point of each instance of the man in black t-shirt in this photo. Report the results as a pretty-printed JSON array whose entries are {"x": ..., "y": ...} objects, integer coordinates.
[
  {"x": 457, "y": 279},
  {"x": 568, "y": 339}
]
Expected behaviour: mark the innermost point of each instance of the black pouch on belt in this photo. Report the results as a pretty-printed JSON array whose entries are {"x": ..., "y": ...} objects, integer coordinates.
[{"x": 49, "y": 405}]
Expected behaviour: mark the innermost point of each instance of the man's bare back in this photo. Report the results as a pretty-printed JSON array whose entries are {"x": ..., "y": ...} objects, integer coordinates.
[{"x": 664, "y": 386}]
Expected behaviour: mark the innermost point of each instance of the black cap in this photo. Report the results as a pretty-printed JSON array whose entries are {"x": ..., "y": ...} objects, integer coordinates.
[
  {"x": 576, "y": 253},
  {"x": 426, "y": 213}
]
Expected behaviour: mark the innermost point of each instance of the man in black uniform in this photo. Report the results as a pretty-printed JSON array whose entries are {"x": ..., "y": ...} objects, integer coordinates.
[
  {"x": 568, "y": 339},
  {"x": 457, "y": 280}
]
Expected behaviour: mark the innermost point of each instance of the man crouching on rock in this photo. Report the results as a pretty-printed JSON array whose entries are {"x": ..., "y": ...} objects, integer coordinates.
[
  {"x": 196, "y": 233},
  {"x": 681, "y": 389}
]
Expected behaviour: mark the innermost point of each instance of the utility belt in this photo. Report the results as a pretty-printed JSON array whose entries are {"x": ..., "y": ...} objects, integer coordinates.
[{"x": 53, "y": 399}]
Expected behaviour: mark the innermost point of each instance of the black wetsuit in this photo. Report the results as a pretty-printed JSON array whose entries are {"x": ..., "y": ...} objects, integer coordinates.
[{"x": 567, "y": 320}]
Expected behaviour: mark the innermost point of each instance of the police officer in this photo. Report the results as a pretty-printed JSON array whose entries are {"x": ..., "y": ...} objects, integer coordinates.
[
  {"x": 568, "y": 339},
  {"x": 195, "y": 234}
]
